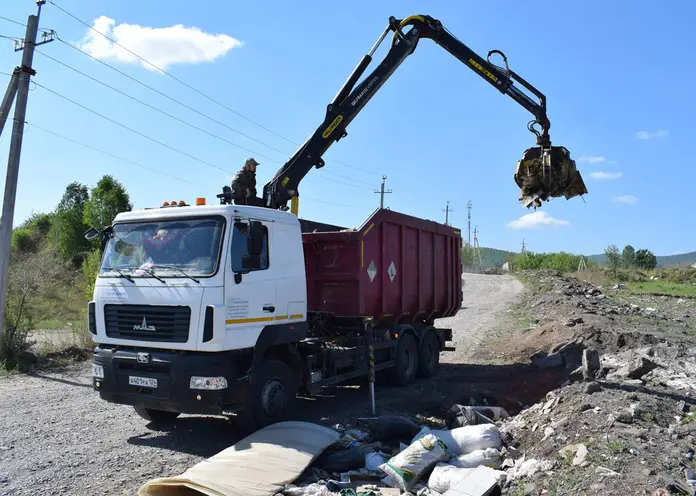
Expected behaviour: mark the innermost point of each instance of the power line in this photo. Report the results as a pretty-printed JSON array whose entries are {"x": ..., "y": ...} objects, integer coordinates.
[
  {"x": 341, "y": 182},
  {"x": 170, "y": 98},
  {"x": 156, "y": 108},
  {"x": 195, "y": 89},
  {"x": 85, "y": 145},
  {"x": 327, "y": 203},
  {"x": 133, "y": 130},
  {"x": 188, "y": 123},
  {"x": 13, "y": 38},
  {"x": 18, "y": 23},
  {"x": 185, "y": 106},
  {"x": 13, "y": 21},
  {"x": 167, "y": 174}
]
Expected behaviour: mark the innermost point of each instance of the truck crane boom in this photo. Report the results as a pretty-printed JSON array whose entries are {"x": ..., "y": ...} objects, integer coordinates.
[{"x": 542, "y": 173}]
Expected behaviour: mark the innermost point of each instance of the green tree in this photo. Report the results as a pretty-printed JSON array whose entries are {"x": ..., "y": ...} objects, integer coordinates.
[
  {"x": 613, "y": 258},
  {"x": 90, "y": 269},
  {"x": 646, "y": 260},
  {"x": 68, "y": 224},
  {"x": 467, "y": 255},
  {"x": 628, "y": 256},
  {"x": 108, "y": 198}
]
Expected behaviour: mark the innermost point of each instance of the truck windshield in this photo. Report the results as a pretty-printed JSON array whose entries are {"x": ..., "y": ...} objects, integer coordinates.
[{"x": 165, "y": 247}]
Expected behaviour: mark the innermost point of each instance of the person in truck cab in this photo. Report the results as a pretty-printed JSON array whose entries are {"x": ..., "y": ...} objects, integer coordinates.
[{"x": 244, "y": 185}]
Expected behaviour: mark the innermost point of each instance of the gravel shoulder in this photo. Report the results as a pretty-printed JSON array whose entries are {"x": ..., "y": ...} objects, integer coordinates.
[{"x": 57, "y": 437}]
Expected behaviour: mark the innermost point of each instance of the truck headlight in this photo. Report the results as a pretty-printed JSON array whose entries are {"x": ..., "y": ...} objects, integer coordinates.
[
  {"x": 210, "y": 383},
  {"x": 97, "y": 371}
]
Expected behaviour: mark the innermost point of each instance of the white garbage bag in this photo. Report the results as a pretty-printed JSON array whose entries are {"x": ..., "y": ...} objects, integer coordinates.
[
  {"x": 444, "y": 476},
  {"x": 408, "y": 467},
  {"x": 463, "y": 440},
  {"x": 490, "y": 457}
]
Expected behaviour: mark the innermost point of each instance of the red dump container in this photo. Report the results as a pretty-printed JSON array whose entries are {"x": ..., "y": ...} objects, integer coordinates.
[{"x": 395, "y": 268}]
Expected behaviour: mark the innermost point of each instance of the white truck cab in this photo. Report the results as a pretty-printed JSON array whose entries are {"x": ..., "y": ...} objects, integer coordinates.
[{"x": 179, "y": 282}]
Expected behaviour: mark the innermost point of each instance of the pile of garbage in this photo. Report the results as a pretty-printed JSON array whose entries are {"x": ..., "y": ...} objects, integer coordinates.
[{"x": 393, "y": 455}]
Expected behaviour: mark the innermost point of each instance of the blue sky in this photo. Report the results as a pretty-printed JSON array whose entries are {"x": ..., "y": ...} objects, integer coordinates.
[{"x": 614, "y": 74}]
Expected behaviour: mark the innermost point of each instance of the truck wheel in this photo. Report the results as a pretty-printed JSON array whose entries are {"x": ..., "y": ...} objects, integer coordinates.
[
  {"x": 429, "y": 355},
  {"x": 156, "y": 416},
  {"x": 404, "y": 372},
  {"x": 272, "y": 397}
]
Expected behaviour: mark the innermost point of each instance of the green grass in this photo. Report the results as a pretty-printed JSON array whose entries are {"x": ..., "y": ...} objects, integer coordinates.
[
  {"x": 663, "y": 288},
  {"x": 51, "y": 324},
  {"x": 615, "y": 447}
]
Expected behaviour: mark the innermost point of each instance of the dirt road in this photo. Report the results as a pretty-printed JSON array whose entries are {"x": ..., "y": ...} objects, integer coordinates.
[
  {"x": 485, "y": 297},
  {"x": 58, "y": 437}
]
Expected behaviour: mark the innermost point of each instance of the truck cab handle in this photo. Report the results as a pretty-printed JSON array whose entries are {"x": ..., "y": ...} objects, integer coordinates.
[{"x": 269, "y": 308}]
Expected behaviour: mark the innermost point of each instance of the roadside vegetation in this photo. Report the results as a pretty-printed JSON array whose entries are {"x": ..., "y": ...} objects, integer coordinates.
[
  {"x": 51, "y": 277},
  {"x": 636, "y": 270}
]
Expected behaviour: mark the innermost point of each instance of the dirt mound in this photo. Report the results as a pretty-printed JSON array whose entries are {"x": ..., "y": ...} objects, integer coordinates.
[{"x": 617, "y": 435}]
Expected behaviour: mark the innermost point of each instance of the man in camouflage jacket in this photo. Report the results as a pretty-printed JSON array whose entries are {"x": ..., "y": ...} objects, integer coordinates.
[{"x": 244, "y": 185}]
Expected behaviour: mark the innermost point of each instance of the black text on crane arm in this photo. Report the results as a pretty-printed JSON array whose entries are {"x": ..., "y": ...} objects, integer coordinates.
[{"x": 352, "y": 98}]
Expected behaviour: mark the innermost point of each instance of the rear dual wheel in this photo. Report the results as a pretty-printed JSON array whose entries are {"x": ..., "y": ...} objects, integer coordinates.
[
  {"x": 429, "y": 355},
  {"x": 406, "y": 367}
]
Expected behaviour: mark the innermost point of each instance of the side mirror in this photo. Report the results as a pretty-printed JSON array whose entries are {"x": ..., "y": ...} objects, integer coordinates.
[
  {"x": 92, "y": 233},
  {"x": 251, "y": 262},
  {"x": 256, "y": 238}
]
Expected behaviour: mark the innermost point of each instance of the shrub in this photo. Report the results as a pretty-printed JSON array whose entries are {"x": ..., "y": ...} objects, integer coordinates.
[
  {"x": 23, "y": 240},
  {"x": 562, "y": 261}
]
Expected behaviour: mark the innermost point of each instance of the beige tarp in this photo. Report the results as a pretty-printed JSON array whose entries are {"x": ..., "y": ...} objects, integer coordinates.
[{"x": 258, "y": 465}]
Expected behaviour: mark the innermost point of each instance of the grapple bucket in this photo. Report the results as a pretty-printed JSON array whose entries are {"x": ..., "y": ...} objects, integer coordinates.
[{"x": 545, "y": 173}]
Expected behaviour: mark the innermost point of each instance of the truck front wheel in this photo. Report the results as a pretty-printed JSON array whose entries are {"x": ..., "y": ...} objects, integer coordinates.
[
  {"x": 406, "y": 367},
  {"x": 156, "y": 416},
  {"x": 272, "y": 396}
]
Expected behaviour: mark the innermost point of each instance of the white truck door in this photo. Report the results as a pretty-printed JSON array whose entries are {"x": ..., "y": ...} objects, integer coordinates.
[
  {"x": 249, "y": 294},
  {"x": 290, "y": 279}
]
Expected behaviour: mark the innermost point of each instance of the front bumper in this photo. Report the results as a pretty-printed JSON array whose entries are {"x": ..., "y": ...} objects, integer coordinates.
[{"x": 173, "y": 371}]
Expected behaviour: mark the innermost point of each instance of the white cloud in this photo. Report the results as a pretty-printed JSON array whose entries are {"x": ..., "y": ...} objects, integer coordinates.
[
  {"x": 606, "y": 175},
  {"x": 629, "y": 199},
  {"x": 592, "y": 159},
  {"x": 163, "y": 47},
  {"x": 537, "y": 220},
  {"x": 646, "y": 135}
]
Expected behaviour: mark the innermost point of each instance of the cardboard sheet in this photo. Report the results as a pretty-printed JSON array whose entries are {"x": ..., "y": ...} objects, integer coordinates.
[{"x": 258, "y": 465}]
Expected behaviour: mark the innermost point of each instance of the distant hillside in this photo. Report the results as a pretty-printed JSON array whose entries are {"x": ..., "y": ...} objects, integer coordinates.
[
  {"x": 683, "y": 259},
  {"x": 492, "y": 257}
]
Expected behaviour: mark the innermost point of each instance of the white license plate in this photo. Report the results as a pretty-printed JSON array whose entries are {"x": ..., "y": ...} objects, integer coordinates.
[{"x": 142, "y": 381}]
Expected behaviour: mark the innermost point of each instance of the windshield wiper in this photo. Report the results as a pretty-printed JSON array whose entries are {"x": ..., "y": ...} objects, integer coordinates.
[
  {"x": 152, "y": 273},
  {"x": 120, "y": 273},
  {"x": 173, "y": 267}
]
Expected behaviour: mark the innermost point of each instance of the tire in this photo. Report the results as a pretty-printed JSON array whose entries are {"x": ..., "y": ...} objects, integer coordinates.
[
  {"x": 429, "y": 355},
  {"x": 406, "y": 368},
  {"x": 156, "y": 416},
  {"x": 273, "y": 396}
]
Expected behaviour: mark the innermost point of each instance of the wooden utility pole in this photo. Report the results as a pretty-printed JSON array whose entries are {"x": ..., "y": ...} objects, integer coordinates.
[{"x": 19, "y": 84}]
